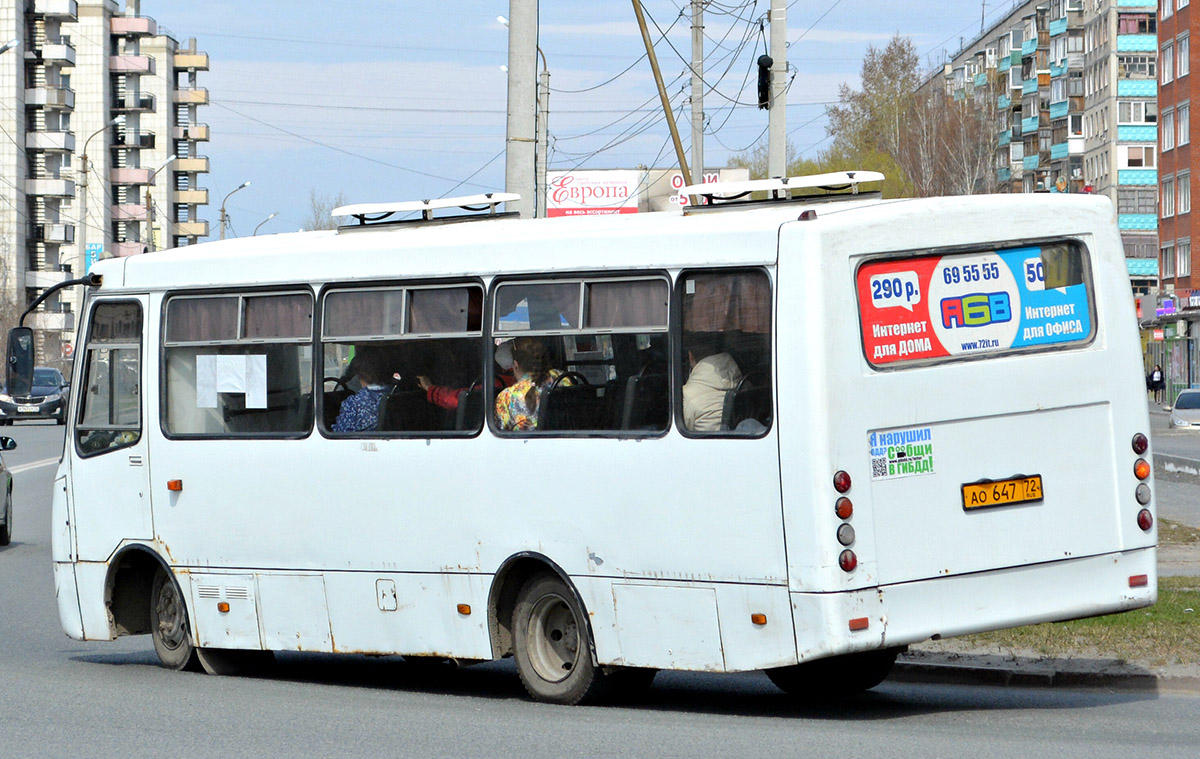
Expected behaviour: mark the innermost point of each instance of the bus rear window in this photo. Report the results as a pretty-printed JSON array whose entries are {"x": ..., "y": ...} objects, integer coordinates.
[{"x": 976, "y": 303}]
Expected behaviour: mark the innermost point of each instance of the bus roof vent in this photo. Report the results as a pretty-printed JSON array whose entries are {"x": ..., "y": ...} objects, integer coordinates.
[
  {"x": 737, "y": 194},
  {"x": 483, "y": 206}
]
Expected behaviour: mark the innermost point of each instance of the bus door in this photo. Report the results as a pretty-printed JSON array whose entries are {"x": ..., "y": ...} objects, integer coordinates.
[{"x": 110, "y": 496}]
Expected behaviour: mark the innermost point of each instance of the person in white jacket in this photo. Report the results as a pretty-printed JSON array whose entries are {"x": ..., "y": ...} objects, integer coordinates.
[{"x": 704, "y": 393}]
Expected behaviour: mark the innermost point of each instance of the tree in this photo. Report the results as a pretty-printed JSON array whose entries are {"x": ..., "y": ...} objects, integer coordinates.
[
  {"x": 873, "y": 120},
  {"x": 320, "y": 212}
]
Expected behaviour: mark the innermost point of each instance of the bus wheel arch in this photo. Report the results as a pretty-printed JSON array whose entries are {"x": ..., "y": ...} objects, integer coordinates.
[
  {"x": 128, "y": 587},
  {"x": 517, "y": 571}
]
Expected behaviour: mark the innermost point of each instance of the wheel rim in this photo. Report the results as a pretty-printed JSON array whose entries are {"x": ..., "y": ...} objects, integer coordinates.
[
  {"x": 553, "y": 639},
  {"x": 169, "y": 611}
]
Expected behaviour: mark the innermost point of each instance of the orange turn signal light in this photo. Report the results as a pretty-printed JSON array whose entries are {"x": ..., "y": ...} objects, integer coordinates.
[
  {"x": 758, "y": 619},
  {"x": 223, "y": 607},
  {"x": 1141, "y": 469},
  {"x": 175, "y": 485},
  {"x": 464, "y": 609}
]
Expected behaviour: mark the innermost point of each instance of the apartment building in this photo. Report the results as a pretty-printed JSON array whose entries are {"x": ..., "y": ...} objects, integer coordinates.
[
  {"x": 94, "y": 100},
  {"x": 1175, "y": 158},
  {"x": 1074, "y": 88}
]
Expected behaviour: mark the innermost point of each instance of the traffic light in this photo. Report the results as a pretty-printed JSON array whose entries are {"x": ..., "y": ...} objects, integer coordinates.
[{"x": 764, "y": 81}]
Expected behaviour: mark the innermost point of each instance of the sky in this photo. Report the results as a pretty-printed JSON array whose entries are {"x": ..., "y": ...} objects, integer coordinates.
[{"x": 405, "y": 99}]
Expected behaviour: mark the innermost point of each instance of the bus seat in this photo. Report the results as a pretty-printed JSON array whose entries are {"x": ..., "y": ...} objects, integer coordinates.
[
  {"x": 746, "y": 402},
  {"x": 646, "y": 403},
  {"x": 572, "y": 407},
  {"x": 469, "y": 414},
  {"x": 407, "y": 411}
]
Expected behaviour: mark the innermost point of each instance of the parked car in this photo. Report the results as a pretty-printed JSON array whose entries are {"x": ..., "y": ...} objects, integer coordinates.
[
  {"x": 46, "y": 400},
  {"x": 6, "y": 444},
  {"x": 1185, "y": 414}
]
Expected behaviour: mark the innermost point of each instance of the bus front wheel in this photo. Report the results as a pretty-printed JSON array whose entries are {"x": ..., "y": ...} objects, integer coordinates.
[
  {"x": 552, "y": 644},
  {"x": 835, "y": 676},
  {"x": 169, "y": 624}
]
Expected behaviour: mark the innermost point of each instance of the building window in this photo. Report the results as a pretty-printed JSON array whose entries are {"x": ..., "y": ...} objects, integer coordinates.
[
  {"x": 1138, "y": 157},
  {"x": 1168, "y": 197},
  {"x": 1182, "y": 4},
  {"x": 1168, "y": 130},
  {"x": 1168, "y": 63},
  {"x": 1184, "y": 192},
  {"x": 1137, "y": 66},
  {"x": 1183, "y": 114},
  {"x": 1167, "y": 7},
  {"x": 1168, "y": 261},
  {"x": 1183, "y": 258},
  {"x": 1182, "y": 46}
]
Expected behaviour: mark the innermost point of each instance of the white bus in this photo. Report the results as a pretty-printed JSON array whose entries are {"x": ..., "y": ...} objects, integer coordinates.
[{"x": 915, "y": 419}]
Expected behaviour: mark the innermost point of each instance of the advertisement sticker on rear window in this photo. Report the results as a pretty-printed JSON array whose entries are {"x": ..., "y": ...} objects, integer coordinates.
[
  {"x": 974, "y": 303},
  {"x": 901, "y": 453}
]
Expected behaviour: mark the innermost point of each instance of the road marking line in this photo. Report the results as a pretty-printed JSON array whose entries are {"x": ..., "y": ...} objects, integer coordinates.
[{"x": 32, "y": 465}]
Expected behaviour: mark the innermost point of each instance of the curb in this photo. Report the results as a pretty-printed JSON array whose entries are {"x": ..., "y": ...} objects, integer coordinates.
[{"x": 1015, "y": 672}]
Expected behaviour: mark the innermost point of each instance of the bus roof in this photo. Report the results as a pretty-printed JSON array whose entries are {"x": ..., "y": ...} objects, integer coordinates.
[{"x": 617, "y": 242}]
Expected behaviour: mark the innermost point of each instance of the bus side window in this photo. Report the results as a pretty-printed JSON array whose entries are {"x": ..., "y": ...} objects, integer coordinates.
[
  {"x": 426, "y": 342},
  {"x": 110, "y": 409},
  {"x": 591, "y": 355},
  {"x": 239, "y": 364},
  {"x": 725, "y": 357}
]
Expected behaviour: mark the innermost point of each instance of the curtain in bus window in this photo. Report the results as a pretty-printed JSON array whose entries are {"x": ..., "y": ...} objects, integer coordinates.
[
  {"x": 438, "y": 310},
  {"x": 116, "y": 322},
  {"x": 364, "y": 312},
  {"x": 278, "y": 316},
  {"x": 202, "y": 319},
  {"x": 724, "y": 302},
  {"x": 546, "y": 306},
  {"x": 640, "y": 303}
]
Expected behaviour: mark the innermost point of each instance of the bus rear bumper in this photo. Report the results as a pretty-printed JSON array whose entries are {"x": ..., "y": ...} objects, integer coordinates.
[{"x": 888, "y": 616}]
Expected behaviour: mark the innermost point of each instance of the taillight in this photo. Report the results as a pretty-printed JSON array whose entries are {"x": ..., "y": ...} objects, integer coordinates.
[
  {"x": 1141, "y": 469},
  {"x": 841, "y": 481},
  {"x": 1145, "y": 520},
  {"x": 845, "y": 534},
  {"x": 848, "y": 561},
  {"x": 1140, "y": 444}
]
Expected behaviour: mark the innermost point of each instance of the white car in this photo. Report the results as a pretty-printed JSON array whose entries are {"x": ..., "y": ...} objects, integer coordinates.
[{"x": 1185, "y": 414}]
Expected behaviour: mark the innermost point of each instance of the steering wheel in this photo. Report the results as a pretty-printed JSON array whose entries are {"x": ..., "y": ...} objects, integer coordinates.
[
  {"x": 340, "y": 383},
  {"x": 575, "y": 378}
]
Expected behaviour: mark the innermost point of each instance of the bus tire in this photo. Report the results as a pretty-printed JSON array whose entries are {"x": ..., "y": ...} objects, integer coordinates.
[
  {"x": 6, "y": 530},
  {"x": 836, "y": 676},
  {"x": 169, "y": 624},
  {"x": 552, "y": 644}
]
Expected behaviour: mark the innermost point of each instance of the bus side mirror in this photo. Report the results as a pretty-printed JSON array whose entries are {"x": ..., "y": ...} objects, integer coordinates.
[{"x": 18, "y": 379}]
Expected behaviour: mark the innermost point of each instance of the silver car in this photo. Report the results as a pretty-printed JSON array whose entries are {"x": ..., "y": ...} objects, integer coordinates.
[{"x": 1185, "y": 414}]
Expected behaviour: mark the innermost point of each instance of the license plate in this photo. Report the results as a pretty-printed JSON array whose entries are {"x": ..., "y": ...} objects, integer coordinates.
[
  {"x": 1020, "y": 489},
  {"x": 27, "y": 409}
]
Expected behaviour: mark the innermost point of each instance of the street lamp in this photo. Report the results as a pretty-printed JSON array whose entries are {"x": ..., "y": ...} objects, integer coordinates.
[
  {"x": 540, "y": 129},
  {"x": 264, "y": 221},
  {"x": 83, "y": 195},
  {"x": 10, "y": 44},
  {"x": 223, "y": 217},
  {"x": 150, "y": 207}
]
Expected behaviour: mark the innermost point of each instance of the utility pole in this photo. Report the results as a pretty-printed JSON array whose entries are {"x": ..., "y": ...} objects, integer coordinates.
[
  {"x": 543, "y": 135},
  {"x": 777, "y": 116},
  {"x": 698, "y": 88},
  {"x": 521, "y": 134},
  {"x": 662, "y": 94}
]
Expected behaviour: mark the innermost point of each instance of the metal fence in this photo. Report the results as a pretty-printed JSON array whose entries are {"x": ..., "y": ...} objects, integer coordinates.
[{"x": 1179, "y": 358}]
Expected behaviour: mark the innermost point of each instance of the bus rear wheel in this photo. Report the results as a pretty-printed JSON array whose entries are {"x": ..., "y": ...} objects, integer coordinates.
[
  {"x": 836, "y": 676},
  {"x": 169, "y": 624},
  {"x": 552, "y": 644}
]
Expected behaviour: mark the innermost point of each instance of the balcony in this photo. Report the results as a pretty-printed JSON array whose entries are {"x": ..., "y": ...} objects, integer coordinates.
[
  {"x": 127, "y": 175},
  {"x": 198, "y": 132},
  {"x": 51, "y": 187},
  {"x": 60, "y": 142},
  {"x": 1058, "y": 26},
  {"x": 133, "y": 26},
  {"x": 1003, "y": 175},
  {"x": 59, "y": 53},
  {"x": 190, "y": 228},
  {"x": 1029, "y": 47},
  {"x": 129, "y": 248},
  {"x": 1029, "y": 86},
  {"x": 1059, "y": 110},
  {"x": 1137, "y": 43},
  {"x": 134, "y": 138},
  {"x": 1059, "y": 151},
  {"x": 129, "y": 212},
  {"x": 198, "y": 197},
  {"x": 1141, "y": 222},
  {"x": 191, "y": 95},
  {"x": 1030, "y": 162},
  {"x": 131, "y": 64},
  {"x": 1141, "y": 177},
  {"x": 56, "y": 8},
  {"x": 52, "y": 234},
  {"x": 1029, "y": 125},
  {"x": 1005, "y": 138},
  {"x": 1137, "y": 133},
  {"x": 196, "y": 61},
  {"x": 50, "y": 97},
  {"x": 1137, "y": 88},
  {"x": 57, "y": 318},
  {"x": 134, "y": 103},
  {"x": 196, "y": 165},
  {"x": 40, "y": 280}
]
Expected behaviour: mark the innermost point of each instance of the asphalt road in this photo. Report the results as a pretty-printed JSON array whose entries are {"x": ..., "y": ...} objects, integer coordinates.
[{"x": 60, "y": 698}]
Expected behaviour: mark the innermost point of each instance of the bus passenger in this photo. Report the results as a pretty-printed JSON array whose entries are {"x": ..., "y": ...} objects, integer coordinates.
[
  {"x": 448, "y": 397},
  {"x": 714, "y": 373},
  {"x": 517, "y": 405},
  {"x": 360, "y": 412}
]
